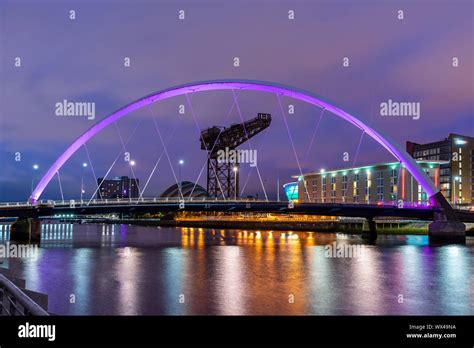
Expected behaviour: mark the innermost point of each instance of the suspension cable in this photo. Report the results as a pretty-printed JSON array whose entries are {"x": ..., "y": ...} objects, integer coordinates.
[
  {"x": 250, "y": 144},
  {"x": 131, "y": 167},
  {"x": 293, "y": 146},
  {"x": 154, "y": 168},
  {"x": 214, "y": 145},
  {"x": 358, "y": 148},
  {"x": 313, "y": 136},
  {"x": 92, "y": 167},
  {"x": 168, "y": 157},
  {"x": 113, "y": 163},
  {"x": 199, "y": 130},
  {"x": 60, "y": 186}
]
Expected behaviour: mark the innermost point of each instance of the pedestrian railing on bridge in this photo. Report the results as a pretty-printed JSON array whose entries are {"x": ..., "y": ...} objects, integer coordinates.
[
  {"x": 157, "y": 200},
  {"x": 14, "y": 302},
  {"x": 111, "y": 201}
]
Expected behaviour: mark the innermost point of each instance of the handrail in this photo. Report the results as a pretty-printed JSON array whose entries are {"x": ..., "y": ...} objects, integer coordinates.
[
  {"x": 133, "y": 201},
  {"x": 14, "y": 295}
]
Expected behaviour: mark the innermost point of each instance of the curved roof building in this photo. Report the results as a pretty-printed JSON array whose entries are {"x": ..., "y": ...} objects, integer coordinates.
[
  {"x": 291, "y": 190},
  {"x": 188, "y": 188}
]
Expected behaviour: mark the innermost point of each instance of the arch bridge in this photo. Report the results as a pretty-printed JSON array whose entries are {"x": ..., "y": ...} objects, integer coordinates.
[{"x": 445, "y": 228}]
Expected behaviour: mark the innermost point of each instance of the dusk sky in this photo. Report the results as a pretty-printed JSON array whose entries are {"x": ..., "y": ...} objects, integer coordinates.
[{"x": 82, "y": 60}]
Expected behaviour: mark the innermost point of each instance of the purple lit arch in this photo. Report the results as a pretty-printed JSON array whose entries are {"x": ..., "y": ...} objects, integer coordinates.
[{"x": 263, "y": 86}]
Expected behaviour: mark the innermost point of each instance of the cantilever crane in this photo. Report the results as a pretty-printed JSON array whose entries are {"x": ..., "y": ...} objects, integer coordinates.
[{"x": 222, "y": 181}]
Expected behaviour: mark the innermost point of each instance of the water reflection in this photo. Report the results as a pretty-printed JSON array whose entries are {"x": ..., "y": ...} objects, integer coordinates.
[
  {"x": 122, "y": 269},
  {"x": 128, "y": 266},
  {"x": 229, "y": 286},
  {"x": 174, "y": 288}
]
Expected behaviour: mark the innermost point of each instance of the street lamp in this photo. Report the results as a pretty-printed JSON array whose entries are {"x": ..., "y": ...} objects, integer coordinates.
[
  {"x": 132, "y": 164},
  {"x": 84, "y": 166},
  {"x": 35, "y": 167},
  {"x": 235, "y": 169},
  {"x": 180, "y": 162}
]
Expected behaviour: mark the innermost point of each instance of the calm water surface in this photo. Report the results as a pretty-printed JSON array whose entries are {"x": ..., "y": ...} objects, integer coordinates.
[{"x": 127, "y": 270}]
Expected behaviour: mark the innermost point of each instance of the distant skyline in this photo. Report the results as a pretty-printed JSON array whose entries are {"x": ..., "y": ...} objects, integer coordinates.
[{"x": 409, "y": 60}]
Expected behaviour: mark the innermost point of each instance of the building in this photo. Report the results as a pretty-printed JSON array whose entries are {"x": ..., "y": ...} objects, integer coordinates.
[
  {"x": 118, "y": 187},
  {"x": 291, "y": 191},
  {"x": 383, "y": 183},
  {"x": 457, "y": 174}
]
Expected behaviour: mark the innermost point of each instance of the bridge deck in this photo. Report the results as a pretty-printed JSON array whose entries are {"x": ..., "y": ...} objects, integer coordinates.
[{"x": 168, "y": 205}]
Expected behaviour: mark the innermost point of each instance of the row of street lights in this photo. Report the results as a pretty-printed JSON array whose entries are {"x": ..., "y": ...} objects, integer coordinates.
[
  {"x": 84, "y": 166},
  {"x": 132, "y": 164}
]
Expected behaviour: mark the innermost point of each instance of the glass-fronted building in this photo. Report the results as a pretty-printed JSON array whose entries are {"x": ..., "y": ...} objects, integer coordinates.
[{"x": 291, "y": 191}]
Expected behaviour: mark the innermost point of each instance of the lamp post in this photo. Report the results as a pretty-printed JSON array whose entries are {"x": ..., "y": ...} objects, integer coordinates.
[
  {"x": 235, "y": 169},
  {"x": 181, "y": 162},
  {"x": 84, "y": 166},
  {"x": 132, "y": 164},
  {"x": 278, "y": 188},
  {"x": 35, "y": 167},
  {"x": 278, "y": 185}
]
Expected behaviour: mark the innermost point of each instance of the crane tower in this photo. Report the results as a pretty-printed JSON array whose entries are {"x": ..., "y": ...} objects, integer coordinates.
[{"x": 222, "y": 180}]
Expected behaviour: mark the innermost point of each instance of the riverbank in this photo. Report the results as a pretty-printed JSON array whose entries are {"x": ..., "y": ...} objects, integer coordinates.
[{"x": 353, "y": 227}]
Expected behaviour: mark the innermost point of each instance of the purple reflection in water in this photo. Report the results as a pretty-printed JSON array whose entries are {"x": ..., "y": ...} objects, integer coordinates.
[{"x": 143, "y": 270}]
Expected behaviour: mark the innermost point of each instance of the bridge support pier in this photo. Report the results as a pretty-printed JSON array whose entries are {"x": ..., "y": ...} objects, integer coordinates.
[
  {"x": 446, "y": 228},
  {"x": 447, "y": 232},
  {"x": 369, "y": 230},
  {"x": 26, "y": 230}
]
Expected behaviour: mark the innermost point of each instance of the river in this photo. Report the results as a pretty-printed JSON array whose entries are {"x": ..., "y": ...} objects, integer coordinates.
[{"x": 94, "y": 269}]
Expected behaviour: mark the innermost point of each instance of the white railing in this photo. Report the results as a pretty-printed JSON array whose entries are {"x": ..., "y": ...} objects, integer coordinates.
[
  {"x": 128, "y": 201},
  {"x": 14, "y": 302},
  {"x": 15, "y": 204},
  {"x": 76, "y": 202}
]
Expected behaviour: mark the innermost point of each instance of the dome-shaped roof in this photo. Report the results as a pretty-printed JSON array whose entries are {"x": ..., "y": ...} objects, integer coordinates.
[{"x": 187, "y": 188}]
